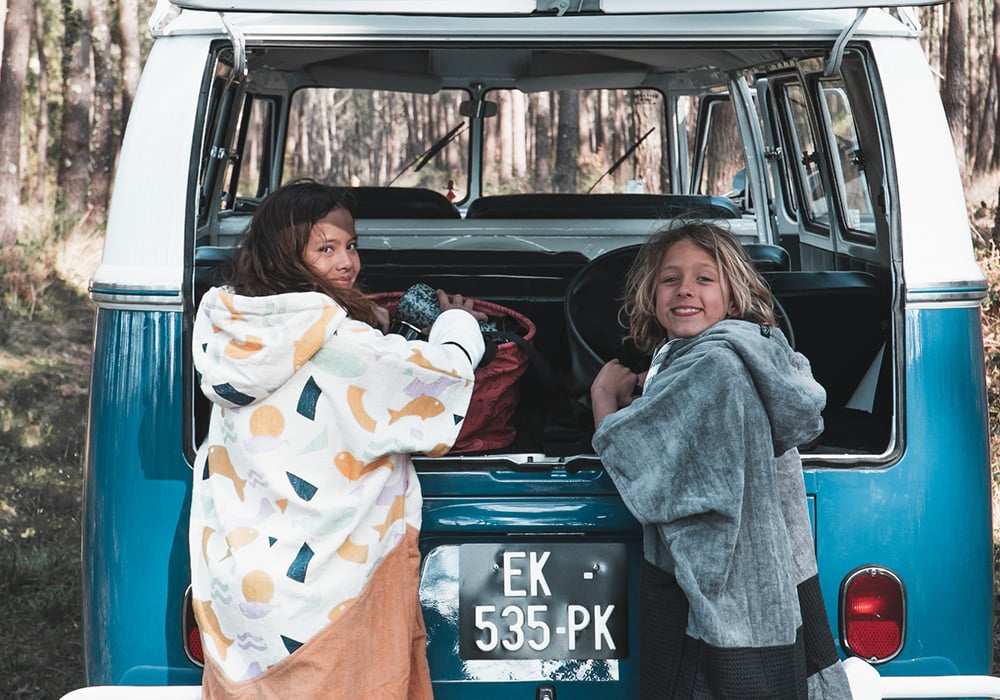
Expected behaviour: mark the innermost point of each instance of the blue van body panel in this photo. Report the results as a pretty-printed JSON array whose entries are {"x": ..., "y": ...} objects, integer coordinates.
[
  {"x": 136, "y": 500},
  {"x": 133, "y": 592},
  {"x": 909, "y": 506}
]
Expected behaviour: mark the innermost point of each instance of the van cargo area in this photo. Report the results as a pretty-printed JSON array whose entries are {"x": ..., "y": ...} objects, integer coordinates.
[{"x": 838, "y": 319}]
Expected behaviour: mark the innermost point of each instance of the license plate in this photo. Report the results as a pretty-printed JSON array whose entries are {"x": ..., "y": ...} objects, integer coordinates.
[{"x": 543, "y": 601}]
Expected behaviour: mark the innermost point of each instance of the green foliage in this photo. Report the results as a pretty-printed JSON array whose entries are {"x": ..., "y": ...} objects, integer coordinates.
[{"x": 989, "y": 260}]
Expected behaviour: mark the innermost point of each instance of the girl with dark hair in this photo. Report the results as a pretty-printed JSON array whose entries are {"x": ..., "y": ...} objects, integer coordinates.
[
  {"x": 308, "y": 214},
  {"x": 706, "y": 459},
  {"x": 306, "y": 508}
]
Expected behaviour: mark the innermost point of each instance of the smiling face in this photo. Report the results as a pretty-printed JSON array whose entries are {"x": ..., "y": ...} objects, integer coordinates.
[
  {"x": 690, "y": 294},
  {"x": 332, "y": 250}
]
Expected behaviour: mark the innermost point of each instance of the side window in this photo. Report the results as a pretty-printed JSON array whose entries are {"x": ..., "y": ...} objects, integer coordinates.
[
  {"x": 719, "y": 166},
  {"x": 852, "y": 183},
  {"x": 802, "y": 156},
  {"x": 831, "y": 151},
  {"x": 248, "y": 176},
  {"x": 220, "y": 111}
]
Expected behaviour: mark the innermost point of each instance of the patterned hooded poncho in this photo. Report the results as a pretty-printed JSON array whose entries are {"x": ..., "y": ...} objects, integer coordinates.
[
  {"x": 306, "y": 506},
  {"x": 706, "y": 460}
]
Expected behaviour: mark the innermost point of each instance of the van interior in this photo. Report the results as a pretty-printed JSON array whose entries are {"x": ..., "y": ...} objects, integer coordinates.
[{"x": 528, "y": 176}]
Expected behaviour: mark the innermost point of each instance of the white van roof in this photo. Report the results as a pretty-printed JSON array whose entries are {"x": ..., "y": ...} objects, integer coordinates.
[{"x": 525, "y": 7}]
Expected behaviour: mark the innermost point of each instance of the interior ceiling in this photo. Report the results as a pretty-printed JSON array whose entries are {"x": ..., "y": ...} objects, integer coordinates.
[{"x": 459, "y": 66}]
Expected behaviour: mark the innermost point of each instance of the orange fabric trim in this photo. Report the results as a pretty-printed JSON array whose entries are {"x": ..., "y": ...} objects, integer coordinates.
[{"x": 375, "y": 648}]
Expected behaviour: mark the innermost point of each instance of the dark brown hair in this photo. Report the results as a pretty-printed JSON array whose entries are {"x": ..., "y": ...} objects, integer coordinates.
[
  {"x": 271, "y": 259},
  {"x": 748, "y": 293}
]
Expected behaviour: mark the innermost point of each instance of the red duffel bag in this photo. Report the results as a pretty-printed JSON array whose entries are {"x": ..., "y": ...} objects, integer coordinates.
[{"x": 489, "y": 422}]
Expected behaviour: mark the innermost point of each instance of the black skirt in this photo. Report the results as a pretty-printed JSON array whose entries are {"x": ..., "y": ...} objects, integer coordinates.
[{"x": 675, "y": 666}]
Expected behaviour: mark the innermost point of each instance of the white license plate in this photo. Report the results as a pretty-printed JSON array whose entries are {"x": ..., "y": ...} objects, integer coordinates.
[{"x": 543, "y": 601}]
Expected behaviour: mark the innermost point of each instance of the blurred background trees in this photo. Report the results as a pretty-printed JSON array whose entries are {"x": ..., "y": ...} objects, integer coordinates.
[
  {"x": 70, "y": 69},
  {"x": 68, "y": 77}
]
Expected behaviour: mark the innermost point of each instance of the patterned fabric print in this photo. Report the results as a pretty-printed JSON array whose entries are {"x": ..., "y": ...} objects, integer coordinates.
[{"x": 304, "y": 482}]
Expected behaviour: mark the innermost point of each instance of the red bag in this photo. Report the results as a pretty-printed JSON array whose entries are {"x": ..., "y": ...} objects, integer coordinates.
[{"x": 489, "y": 422}]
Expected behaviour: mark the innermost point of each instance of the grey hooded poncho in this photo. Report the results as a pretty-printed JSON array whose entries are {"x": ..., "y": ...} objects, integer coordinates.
[{"x": 706, "y": 460}]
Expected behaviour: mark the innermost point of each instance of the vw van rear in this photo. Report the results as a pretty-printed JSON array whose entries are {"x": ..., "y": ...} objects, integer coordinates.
[{"x": 518, "y": 151}]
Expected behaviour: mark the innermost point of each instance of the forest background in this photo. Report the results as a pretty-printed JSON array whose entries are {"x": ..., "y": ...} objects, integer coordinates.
[{"x": 67, "y": 80}]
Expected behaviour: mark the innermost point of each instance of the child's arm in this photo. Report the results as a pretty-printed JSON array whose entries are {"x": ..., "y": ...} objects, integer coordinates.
[{"x": 612, "y": 389}]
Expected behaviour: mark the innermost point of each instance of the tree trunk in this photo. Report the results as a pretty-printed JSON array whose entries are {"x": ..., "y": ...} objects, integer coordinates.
[
  {"x": 543, "y": 139},
  {"x": 985, "y": 120},
  {"x": 995, "y": 126},
  {"x": 603, "y": 110},
  {"x": 954, "y": 93},
  {"x": 649, "y": 157},
  {"x": 567, "y": 142},
  {"x": 16, "y": 42},
  {"x": 506, "y": 134},
  {"x": 78, "y": 98},
  {"x": 128, "y": 32},
  {"x": 42, "y": 122},
  {"x": 519, "y": 133},
  {"x": 585, "y": 139},
  {"x": 3, "y": 19},
  {"x": 103, "y": 138}
]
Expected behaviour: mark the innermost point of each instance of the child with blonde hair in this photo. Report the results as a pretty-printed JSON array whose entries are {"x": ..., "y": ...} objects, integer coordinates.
[{"x": 706, "y": 459}]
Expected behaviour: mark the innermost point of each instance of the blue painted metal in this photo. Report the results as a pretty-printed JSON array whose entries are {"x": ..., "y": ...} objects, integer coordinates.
[
  {"x": 927, "y": 517},
  {"x": 136, "y": 498}
]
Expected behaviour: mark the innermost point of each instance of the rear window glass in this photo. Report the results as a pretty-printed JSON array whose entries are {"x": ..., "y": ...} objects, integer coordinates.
[
  {"x": 601, "y": 141},
  {"x": 379, "y": 138}
]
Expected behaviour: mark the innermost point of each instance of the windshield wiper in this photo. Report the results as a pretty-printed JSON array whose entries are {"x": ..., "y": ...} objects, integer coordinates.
[
  {"x": 626, "y": 154},
  {"x": 426, "y": 156}
]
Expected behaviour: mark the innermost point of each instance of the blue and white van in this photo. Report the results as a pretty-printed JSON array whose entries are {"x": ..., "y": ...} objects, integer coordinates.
[{"x": 518, "y": 151}]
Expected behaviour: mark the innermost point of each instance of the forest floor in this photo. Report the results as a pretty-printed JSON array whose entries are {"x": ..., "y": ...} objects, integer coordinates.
[{"x": 46, "y": 326}]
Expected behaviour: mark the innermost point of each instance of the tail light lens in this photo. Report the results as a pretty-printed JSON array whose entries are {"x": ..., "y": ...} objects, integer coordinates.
[
  {"x": 873, "y": 614},
  {"x": 190, "y": 634}
]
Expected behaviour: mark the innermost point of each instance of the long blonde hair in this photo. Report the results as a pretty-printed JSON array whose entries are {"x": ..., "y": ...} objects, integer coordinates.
[{"x": 750, "y": 297}]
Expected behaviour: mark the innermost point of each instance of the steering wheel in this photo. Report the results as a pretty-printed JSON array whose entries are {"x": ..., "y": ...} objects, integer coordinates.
[
  {"x": 783, "y": 322},
  {"x": 593, "y": 300}
]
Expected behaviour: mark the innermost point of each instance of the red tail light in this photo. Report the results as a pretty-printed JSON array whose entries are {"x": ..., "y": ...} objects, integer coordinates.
[
  {"x": 872, "y": 614},
  {"x": 190, "y": 634}
]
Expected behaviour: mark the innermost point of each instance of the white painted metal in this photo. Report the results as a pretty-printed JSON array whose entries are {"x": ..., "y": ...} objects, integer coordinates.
[
  {"x": 368, "y": 7},
  {"x": 134, "y": 692},
  {"x": 866, "y": 684},
  {"x": 936, "y": 239},
  {"x": 144, "y": 246},
  {"x": 487, "y": 7}
]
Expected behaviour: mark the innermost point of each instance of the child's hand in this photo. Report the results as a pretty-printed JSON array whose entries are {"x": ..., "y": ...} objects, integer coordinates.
[
  {"x": 612, "y": 389},
  {"x": 457, "y": 301},
  {"x": 616, "y": 380}
]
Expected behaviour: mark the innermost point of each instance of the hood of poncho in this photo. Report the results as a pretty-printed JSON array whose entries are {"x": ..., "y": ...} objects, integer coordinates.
[
  {"x": 781, "y": 377},
  {"x": 245, "y": 348}
]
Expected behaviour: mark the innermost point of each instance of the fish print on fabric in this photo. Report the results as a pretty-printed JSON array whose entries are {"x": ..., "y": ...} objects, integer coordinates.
[{"x": 304, "y": 482}]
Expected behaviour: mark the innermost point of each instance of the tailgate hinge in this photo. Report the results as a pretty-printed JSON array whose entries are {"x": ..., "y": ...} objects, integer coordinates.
[
  {"x": 239, "y": 48},
  {"x": 837, "y": 52}
]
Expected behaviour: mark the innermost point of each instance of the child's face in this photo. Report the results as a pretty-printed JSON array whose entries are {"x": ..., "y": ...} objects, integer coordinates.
[
  {"x": 690, "y": 295},
  {"x": 332, "y": 250}
]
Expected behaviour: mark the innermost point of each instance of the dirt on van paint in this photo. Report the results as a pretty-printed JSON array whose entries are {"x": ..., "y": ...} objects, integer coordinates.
[{"x": 46, "y": 325}]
